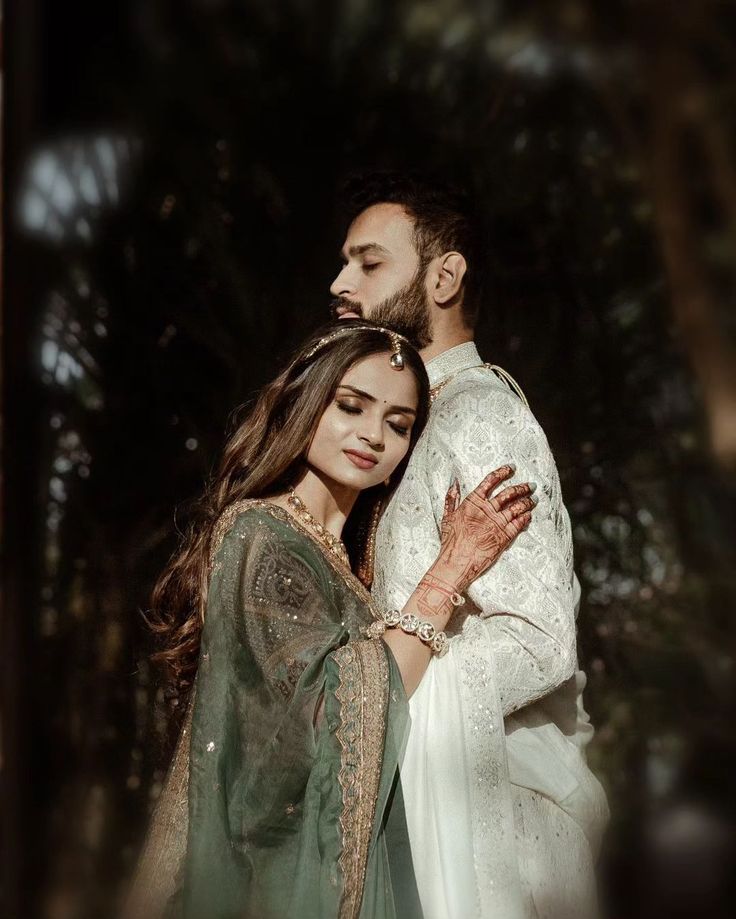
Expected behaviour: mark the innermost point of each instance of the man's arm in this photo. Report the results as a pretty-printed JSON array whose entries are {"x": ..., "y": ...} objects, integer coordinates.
[{"x": 527, "y": 598}]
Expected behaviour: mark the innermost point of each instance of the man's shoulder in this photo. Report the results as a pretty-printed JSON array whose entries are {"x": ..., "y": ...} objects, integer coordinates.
[
  {"x": 480, "y": 390},
  {"x": 479, "y": 411}
]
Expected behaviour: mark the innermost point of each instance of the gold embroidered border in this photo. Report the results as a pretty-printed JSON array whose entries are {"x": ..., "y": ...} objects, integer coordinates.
[
  {"x": 363, "y": 698},
  {"x": 225, "y": 523}
]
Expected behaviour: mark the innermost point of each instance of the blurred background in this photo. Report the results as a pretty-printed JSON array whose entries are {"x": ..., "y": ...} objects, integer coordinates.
[{"x": 170, "y": 232}]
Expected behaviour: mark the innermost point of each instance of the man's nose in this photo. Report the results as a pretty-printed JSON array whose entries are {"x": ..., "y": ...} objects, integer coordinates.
[{"x": 342, "y": 286}]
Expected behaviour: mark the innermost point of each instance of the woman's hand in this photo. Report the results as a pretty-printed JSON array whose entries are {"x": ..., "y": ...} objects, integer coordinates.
[{"x": 475, "y": 531}]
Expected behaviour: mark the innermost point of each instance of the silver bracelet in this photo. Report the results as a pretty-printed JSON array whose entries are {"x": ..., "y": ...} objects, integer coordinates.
[{"x": 412, "y": 625}]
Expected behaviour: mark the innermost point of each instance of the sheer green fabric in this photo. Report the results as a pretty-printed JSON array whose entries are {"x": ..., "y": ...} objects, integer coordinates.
[{"x": 294, "y": 804}]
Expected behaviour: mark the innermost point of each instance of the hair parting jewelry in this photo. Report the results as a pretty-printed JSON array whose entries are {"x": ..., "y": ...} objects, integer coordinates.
[{"x": 397, "y": 358}]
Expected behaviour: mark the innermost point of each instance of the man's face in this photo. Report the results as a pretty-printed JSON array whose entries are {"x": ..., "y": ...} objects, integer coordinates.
[{"x": 382, "y": 278}]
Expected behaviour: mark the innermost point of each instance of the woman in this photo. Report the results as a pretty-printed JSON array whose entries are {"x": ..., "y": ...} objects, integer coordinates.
[{"x": 283, "y": 798}]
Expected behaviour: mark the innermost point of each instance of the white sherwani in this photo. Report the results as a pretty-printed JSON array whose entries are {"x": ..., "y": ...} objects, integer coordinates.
[{"x": 504, "y": 815}]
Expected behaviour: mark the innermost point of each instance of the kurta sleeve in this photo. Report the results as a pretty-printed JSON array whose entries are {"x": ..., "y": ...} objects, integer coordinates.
[
  {"x": 284, "y": 808},
  {"x": 527, "y": 598}
]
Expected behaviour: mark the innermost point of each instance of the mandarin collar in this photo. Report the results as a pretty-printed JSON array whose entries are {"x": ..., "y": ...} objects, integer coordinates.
[{"x": 452, "y": 361}]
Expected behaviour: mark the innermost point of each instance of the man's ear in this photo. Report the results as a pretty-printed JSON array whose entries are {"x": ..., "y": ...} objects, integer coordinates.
[{"x": 450, "y": 273}]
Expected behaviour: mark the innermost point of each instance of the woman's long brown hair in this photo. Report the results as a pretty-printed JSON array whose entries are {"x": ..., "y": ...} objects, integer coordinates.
[{"x": 262, "y": 457}]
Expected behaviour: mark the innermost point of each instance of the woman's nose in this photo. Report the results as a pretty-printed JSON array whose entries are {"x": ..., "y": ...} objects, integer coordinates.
[{"x": 373, "y": 436}]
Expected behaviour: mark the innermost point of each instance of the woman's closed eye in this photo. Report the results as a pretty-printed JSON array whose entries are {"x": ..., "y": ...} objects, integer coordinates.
[
  {"x": 349, "y": 409},
  {"x": 356, "y": 410}
]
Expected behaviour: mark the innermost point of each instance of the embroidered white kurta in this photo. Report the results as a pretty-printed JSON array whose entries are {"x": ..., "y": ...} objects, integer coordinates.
[{"x": 504, "y": 815}]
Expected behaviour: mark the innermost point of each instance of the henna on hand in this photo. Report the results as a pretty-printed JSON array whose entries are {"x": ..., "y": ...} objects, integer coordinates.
[
  {"x": 433, "y": 594},
  {"x": 475, "y": 532},
  {"x": 452, "y": 502}
]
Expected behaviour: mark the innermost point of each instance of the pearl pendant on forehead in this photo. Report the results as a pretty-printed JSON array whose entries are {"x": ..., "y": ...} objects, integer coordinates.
[{"x": 397, "y": 361}]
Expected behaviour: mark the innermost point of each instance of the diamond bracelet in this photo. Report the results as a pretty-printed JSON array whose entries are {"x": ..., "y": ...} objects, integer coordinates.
[{"x": 412, "y": 625}]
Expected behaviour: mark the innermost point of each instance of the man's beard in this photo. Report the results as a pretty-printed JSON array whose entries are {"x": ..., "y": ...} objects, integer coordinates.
[{"x": 406, "y": 311}]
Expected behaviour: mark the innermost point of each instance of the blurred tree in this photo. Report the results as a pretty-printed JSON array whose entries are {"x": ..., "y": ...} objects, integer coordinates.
[{"x": 667, "y": 78}]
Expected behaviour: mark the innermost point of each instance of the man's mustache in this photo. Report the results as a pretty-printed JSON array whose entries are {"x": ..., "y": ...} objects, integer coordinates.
[{"x": 342, "y": 305}]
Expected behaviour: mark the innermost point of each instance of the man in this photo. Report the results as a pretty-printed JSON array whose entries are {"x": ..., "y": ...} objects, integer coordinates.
[{"x": 504, "y": 815}]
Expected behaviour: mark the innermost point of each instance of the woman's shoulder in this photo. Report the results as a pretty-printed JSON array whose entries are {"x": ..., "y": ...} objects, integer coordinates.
[
  {"x": 260, "y": 527},
  {"x": 242, "y": 516},
  {"x": 266, "y": 546}
]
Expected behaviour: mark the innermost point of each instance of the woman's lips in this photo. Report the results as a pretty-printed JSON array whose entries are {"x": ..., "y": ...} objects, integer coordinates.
[{"x": 361, "y": 460}]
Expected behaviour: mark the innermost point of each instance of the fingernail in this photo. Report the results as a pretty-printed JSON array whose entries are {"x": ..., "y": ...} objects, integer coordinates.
[
  {"x": 512, "y": 466},
  {"x": 532, "y": 487},
  {"x": 535, "y": 500}
]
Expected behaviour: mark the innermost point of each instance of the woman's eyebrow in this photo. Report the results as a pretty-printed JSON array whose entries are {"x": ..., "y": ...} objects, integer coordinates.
[{"x": 404, "y": 409}]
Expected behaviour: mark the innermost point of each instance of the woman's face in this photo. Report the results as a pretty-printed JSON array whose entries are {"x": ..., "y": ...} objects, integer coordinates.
[{"x": 365, "y": 432}]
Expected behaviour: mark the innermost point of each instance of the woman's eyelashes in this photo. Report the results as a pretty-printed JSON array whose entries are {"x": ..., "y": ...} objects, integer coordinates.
[
  {"x": 349, "y": 409},
  {"x": 355, "y": 410}
]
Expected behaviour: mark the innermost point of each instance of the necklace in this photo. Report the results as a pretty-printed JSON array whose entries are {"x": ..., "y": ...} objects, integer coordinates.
[{"x": 333, "y": 543}]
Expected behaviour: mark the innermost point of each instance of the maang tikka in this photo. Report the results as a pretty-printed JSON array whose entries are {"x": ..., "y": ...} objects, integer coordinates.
[{"x": 397, "y": 358}]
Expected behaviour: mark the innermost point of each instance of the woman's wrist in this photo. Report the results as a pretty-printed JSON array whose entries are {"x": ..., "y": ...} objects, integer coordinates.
[
  {"x": 437, "y": 594},
  {"x": 430, "y": 634},
  {"x": 447, "y": 575}
]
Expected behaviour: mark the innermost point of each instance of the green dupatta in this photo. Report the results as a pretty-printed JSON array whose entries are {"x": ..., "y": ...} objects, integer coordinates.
[{"x": 288, "y": 813}]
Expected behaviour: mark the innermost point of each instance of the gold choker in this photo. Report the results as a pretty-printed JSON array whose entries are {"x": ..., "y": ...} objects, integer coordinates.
[{"x": 328, "y": 540}]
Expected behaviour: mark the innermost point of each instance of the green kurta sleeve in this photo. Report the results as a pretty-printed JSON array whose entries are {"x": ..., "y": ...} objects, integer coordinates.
[{"x": 296, "y": 732}]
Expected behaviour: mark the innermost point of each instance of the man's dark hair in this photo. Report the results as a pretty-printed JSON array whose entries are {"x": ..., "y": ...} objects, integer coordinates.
[{"x": 444, "y": 220}]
